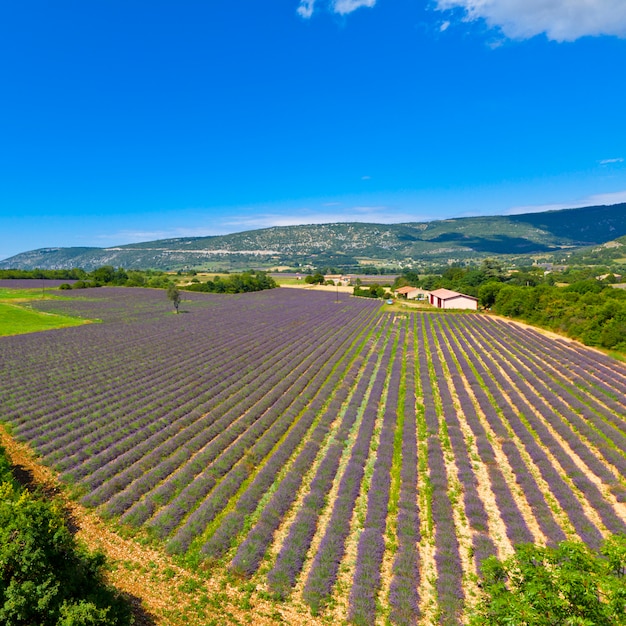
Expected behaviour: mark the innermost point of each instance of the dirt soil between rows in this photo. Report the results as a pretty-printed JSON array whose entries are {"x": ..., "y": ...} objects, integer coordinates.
[{"x": 161, "y": 592}]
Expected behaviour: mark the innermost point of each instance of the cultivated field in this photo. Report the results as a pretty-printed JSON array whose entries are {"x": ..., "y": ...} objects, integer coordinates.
[{"x": 327, "y": 456}]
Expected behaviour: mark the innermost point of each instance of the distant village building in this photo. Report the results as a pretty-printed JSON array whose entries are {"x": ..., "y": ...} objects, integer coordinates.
[
  {"x": 447, "y": 299},
  {"x": 550, "y": 267},
  {"x": 412, "y": 293},
  {"x": 338, "y": 279}
]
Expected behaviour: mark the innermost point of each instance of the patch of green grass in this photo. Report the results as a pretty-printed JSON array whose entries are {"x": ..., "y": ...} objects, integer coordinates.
[
  {"x": 21, "y": 294},
  {"x": 280, "y": 280},
  {"x": 17, "y": 320}
]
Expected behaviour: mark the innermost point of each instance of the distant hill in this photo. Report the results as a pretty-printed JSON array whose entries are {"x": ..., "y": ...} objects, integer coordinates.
[{"x": 350, "y": 243}]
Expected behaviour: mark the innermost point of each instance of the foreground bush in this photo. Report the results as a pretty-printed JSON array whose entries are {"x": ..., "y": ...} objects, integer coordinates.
[
  {"x": 569, "y": 585},
  {"x": 46, "y": 578}
]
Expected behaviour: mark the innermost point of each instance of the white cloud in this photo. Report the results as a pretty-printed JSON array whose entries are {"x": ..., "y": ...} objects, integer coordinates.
[
  {"x": 306, "y": 8},
  {"x": 608, "y": 198},
  {"x": 342, "y": 7},
  {"x": 370, "y": 214},
  {"x": 560, "y": 20},
  {"x": 599, "y": 199},
  {"x": 611, "y": 161},
  {"x": 123, "y": 237}
]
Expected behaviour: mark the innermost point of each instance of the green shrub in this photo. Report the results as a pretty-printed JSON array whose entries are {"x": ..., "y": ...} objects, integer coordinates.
[
  {"x": 46, "y": 577},
  {"x": 569, "y": 585}
]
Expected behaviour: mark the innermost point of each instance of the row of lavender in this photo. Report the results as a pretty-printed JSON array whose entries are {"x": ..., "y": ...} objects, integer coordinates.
[
  {"x": 310, "y": 444},
  {"x": 150, "y": 409},
  {"x": 526, "y": 451}
]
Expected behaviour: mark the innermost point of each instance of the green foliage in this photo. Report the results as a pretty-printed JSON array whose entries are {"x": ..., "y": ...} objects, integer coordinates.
[
  {"x": 73, "y": 274},
  {"x": 136, "y": 279},
  {"x": 6, "y": 475},
  {"x": 585, "y": 286},
  {"x": 46, "y": 578},
  {"x": 569, "y": 585},
  {"x": 373, "y": 291},
  {"x": 588, "y": 311},
  {"x": 158, "y": 282},
  {"x": 85, "y": 284},
  {"x": 119, "y": 277},
  {"x": 109, "y": 275},
  {"x": 314, "y": 279},
  {"x": 513, "y": 301},
  {"x": 236, "y": 283},
  {"x": 488, "y": 292},
  {"x": 173, "y": 294}
]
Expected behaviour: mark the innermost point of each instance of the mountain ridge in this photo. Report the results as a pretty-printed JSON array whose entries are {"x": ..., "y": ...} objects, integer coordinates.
[{"x": 351, "y": 243}]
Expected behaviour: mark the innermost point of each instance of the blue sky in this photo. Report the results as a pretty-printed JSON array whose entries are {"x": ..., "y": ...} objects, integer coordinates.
[{"x": 125, "y": 121}]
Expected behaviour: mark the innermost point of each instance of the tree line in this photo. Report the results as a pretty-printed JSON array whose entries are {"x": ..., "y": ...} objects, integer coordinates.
[
  {"x": 107, "y": 275},
  {"x": 235, "y": 283}
]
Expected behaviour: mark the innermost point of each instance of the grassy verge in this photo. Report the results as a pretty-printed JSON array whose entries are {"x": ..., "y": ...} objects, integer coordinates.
[{"x": 17, "y": 318}]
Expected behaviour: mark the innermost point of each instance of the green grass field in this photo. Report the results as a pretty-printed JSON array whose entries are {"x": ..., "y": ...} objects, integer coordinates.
[
  {"x": 21, "y": 294},
  {"x": 16, "y": 318}
]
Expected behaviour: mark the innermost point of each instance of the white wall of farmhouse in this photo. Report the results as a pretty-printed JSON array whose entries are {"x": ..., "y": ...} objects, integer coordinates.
[{"x": 460, "y": 302}]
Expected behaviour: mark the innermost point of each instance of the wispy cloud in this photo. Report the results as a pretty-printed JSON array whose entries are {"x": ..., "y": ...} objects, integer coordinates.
[
  {"x": 615, "y": 197},
  {"x": 560, "y": 20},
  {"x": 608, "y": 198},
  {"x": 123, "y": 237},
  {"x": 371, "y": 214},
  {"x": 611, "y": 161},
  {"x": 306, "y": 8},
  {"x": 341, "y": 7}
]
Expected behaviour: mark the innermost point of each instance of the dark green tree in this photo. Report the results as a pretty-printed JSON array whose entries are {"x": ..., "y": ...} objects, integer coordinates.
[
  {"x": 109, "y": 275},
  {"x": 488, "y": 292},
  {"x": 512, "y": 301},
  {"x": 174, "y": 295},
  {"x": 314, "y": 279}
]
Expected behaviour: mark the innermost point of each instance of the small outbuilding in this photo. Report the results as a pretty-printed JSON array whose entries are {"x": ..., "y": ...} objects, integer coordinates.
[
  {"x": 412, "y": 293},
  {"x": 447, "y": 299}
]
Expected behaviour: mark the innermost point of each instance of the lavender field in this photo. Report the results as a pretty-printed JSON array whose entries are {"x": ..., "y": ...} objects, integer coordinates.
[{"x": 356, "y": 463}]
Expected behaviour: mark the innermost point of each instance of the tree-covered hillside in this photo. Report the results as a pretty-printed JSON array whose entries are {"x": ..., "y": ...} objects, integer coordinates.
[{"x": 346, "y": 245}]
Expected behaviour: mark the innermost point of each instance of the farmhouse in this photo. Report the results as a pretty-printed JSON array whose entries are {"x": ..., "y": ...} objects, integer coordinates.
[
  {"x": 446, "y": 299},
  {"x": 338, "y": 279},
  {"x": 412, "y": 293}
]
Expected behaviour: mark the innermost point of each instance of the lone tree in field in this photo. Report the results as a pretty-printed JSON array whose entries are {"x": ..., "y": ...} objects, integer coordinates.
[{"x": 174, "y": 295}]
